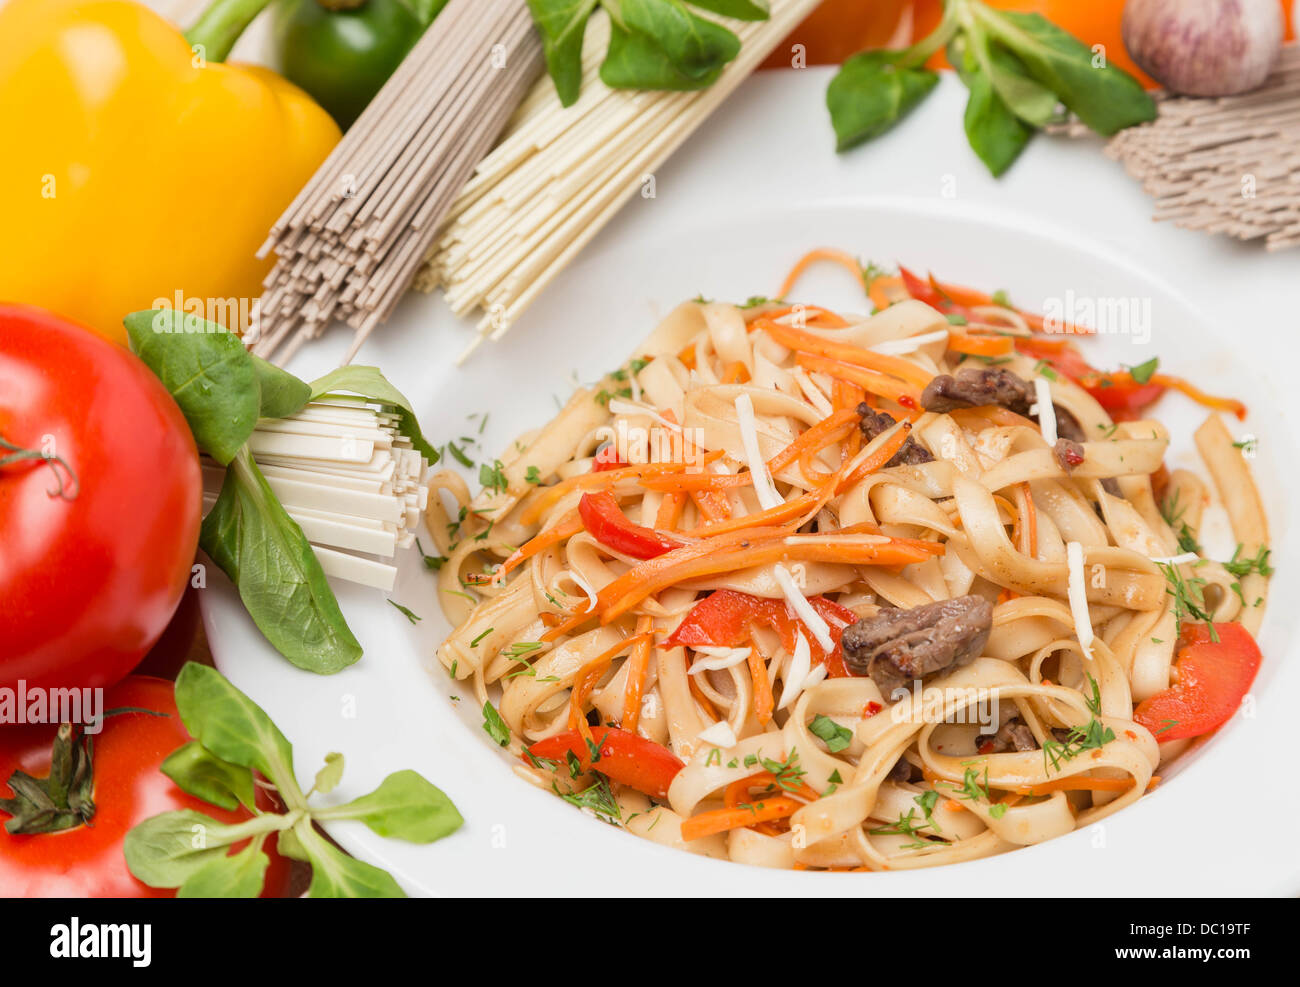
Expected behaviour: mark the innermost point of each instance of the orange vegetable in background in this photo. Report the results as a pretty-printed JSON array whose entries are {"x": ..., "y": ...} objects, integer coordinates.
[
  {"x": 838, "y": 29},
  {"x": 1095, "y": 22}
]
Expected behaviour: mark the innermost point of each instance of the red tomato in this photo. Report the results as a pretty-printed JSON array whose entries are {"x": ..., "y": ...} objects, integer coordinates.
[
  {"x": 1213, "y": 678},
  {"x": 87, "y": 862},
  {"x": 89, "y": 579},
  {"x": 624, "y": 757}
]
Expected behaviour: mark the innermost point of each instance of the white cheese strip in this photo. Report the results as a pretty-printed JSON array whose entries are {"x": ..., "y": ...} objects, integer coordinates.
[
  {"x": 1078, "y": 592},
  {"x": 897, "y": 347},
  {"x": 803, "y": 609},
  {"x": 800, "y": 666},
  {"x": 764, "y": 488},
  {"x": 1044, "y": 410},
  {"x": 618, "y": 407},
  {"x": 814, "y": 677},
  {"x": 716, "y": 659},
  {"x": 811, "y": 391},
  {"x": 720, "y": 735},
  {"x": 1185, "y": 559}
]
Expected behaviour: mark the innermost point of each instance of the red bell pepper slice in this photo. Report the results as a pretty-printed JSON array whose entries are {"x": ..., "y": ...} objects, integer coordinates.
[
  {"x": 932, "y": 293},
  {"x": 625, "y": 757},
  {"x": 606, "y": 459},
  {"x": 1213, "y": 678},
  {"x": 725, "y": 619},
  {"x": 1119, "y": 394},
  {"x": 607, "y": 523}
]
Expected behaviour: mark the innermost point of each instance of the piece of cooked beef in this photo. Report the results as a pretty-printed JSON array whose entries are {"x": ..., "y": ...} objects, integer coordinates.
[
  {"x": 901, "y": 771},
  {"x": 1068, "y": 453},
  {"x": 977, "y": 388},
  {"x": 1012, "y": 735},
  {"x": 899, "y": 645},
  {"x": 875, "y": 422},
  {"x": 1067, "y": 426}
]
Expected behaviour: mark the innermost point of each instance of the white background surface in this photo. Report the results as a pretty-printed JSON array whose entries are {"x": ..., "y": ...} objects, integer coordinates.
[{"x": 748, "y": 194}]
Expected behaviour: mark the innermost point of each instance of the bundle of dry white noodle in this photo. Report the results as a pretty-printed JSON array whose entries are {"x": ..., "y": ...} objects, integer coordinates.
[
  {"x": 350, "y": 479},
  {"x": 561, "y": 174}
]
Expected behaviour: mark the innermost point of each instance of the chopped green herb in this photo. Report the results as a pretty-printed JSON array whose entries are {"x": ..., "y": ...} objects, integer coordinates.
[
  {"x": 1143, "y": 372},
  {"x": 492, "y": 478},
  {"x": 434, "y": 562},
  {"x": 1240, "y": 567},
  {"x": 836, "y": 737},
  {"x": 414, "y": 619},
  {"x": 1189, "y": 598},
  {"x": 459, "y": 456},
  {"x": 495, "y": 726}
]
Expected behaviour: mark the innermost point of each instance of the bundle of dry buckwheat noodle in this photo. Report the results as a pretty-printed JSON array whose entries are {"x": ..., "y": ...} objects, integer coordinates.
[
  {"x": 561, "y": 174},
  {"x": 1226, "y": 165},
  {"x": 350, "y": 243}
]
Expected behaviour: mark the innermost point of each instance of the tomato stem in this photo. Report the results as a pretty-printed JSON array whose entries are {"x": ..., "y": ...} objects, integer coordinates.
[{"x": 17, "y": 454}]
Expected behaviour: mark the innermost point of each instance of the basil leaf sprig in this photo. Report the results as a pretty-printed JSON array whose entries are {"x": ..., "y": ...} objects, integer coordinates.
[
  {"x": 653, "y": 44},
  {"x": 1023, "y": 72},
  {"x": 190, "y": 851},
  {"x": 223, "y": 390}
]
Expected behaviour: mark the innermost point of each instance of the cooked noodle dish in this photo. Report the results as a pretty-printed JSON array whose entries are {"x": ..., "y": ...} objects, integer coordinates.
[{"x": 821, "y": 591}]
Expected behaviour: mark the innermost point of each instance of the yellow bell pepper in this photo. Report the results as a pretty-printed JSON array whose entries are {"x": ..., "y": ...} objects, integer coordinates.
[{"x": 137, "y": 168}]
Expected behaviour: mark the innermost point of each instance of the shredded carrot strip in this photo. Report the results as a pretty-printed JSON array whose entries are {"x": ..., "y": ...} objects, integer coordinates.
[
  {"x": 815, "y": 256},
  {"x": 885, "y": 289},
  {"x": 603, "y": 481},
  {"x": 587, "y": 678},
  {"x": 1078, "y": 784},
  {"x": 814, "y": 316},
  {"x": 566, "y": 527},
  {"x": 722, "y": 820},
  {"x": 568, "y": 624},
  {"x": 874, "y": 382},
  {"x": 877, "y": 459},
  {"x": 654, "y": 575},
  {"x": 1230, "y": 405},
  {"x": 806, "y": 342},
  {"x": 637, "y": 663},
  {"x": 670, "y": 510},
  {"x": 975, "y": 345},
  {"x": 970, "y": 298},
  {"x": 738, "y": 791},
  {"x": 736, "y": 373},
  {"x": 764, "y": 704},
  {"x": 712, "y": 504},
  {"x": 815, "y": 438}
]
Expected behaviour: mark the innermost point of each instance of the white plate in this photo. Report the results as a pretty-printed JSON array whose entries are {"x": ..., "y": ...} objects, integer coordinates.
[{"x": 733, "y": 210}]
